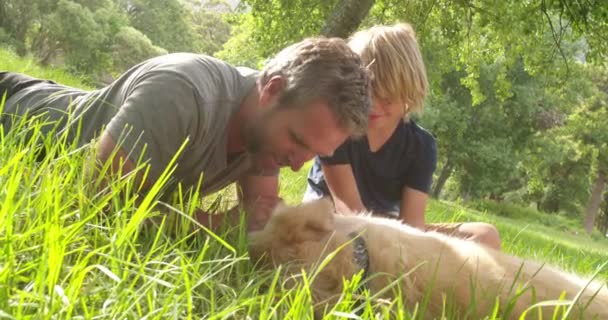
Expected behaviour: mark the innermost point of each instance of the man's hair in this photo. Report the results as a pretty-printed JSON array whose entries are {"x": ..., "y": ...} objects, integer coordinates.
[
  {"x": 394, "y": 63},
  {"x": 323, "y": 69}
]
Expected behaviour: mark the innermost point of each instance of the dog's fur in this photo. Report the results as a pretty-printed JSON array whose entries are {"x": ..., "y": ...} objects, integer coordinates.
[{"x": 421, "y": 262}]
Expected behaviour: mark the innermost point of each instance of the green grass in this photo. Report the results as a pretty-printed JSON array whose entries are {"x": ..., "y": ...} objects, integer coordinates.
[
  {"x": 67, "y": 251},
  {"x": 9, "y": 61}
]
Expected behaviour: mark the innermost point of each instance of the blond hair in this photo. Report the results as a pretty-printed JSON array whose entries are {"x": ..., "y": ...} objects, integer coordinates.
[
  {"x": 395, "y": 64},
  {"x": 327, "y": 69}
]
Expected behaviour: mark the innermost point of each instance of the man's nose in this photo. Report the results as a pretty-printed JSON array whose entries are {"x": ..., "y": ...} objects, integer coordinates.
[
  {"x": 296, "y": 161},
  {"x": 296, "y": 166}
]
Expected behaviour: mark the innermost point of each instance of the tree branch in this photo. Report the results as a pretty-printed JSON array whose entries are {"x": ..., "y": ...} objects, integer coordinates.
[
  {"x": 557, "y": 38},
  {"x": 346, "y": 17}
]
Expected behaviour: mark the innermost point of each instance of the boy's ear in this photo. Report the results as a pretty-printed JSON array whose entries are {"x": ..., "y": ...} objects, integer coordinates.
[{"x": 307, "y": 222}]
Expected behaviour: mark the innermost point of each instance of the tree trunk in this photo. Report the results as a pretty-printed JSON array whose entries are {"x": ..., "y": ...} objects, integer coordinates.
[
  {"x": 346, "y": 17},
  {"x": 595, "y": 200},
  {"x": 446, "y": 172},
  {"x": 604, "y": 224}
]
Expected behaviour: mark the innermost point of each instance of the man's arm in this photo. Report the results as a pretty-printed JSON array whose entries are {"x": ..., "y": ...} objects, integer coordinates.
[
  {"x": 119, "y": 162},
  {"x": 413, "y": 206},
  {"x": 343, "y": 188},
  {"x": 120, "y": 165},
  {"x": 259, "y": 195}
]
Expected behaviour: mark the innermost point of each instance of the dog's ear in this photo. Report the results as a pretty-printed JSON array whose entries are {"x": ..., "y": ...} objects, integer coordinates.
[{"x": 308, "y": 222}]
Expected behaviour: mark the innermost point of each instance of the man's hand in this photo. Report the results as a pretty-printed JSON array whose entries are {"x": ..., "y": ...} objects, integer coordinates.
[
  {"x": 259, "y": 196},
  {"x": 258, "y": 213},
  {"x": 260, "y": 210}
]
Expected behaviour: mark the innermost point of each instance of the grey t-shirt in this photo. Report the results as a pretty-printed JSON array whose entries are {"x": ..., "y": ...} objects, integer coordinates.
[{"x": 151, "y": 110}]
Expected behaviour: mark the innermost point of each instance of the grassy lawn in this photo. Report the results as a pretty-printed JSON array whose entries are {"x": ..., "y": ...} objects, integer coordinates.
[
  {"x": 11, "y": 62},
  {"x": 67, "y": 251}
]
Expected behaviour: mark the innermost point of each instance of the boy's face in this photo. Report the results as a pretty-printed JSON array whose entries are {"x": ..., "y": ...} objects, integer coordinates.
[{"x": 385, "y": 113}]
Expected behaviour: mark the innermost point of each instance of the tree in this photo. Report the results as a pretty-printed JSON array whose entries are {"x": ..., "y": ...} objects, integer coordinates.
[
  {"x": 72, "y": 30},
  {"x": 588, "y": 125},
  {"x": 17, "y": 17},
  {"x": 481, "y": 146},
  {"x": 270, "y": 25},
  {"x": 210, "y": 28},
  {"x": 77, "y": 35},
  {"x": 346, "y": 17},
  {"x": 595, "y": 200},
  {"x": 131, "y": 47},
  {"x": 165, "y": 22}
]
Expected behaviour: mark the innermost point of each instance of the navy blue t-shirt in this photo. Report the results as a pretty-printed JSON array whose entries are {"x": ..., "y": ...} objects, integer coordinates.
[{"x": 408, "y": 158}]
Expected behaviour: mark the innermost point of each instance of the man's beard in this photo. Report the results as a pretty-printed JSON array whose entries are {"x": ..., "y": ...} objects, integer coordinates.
[
  {"x": 255, "y": 133},
  {"x": 253, "y": 139}
]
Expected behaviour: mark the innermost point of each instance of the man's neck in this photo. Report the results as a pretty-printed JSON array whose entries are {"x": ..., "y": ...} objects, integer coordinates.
[{"x": 239, "y": 120}]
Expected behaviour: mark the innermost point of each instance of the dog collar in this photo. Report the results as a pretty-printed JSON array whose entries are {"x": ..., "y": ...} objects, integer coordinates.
[
  {"x": 360, "y": 254},
  {"x": 361, "y": 259}
]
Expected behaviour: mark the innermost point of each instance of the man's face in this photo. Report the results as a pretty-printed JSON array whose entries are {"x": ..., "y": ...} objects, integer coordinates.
[{"x": 282, "y": 137}]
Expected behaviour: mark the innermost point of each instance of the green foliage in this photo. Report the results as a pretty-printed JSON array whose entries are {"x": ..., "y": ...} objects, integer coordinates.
[
  {"x": 564, "y": 161},
  {"x": 11, "y": 61},
  {"x": 132, "y": 47},
  {"x": 239, "y": 49},
  {"x": 484, "y": 142},
  {"x": 589, "y": 121},
  {"x": 269, "y": 26},
  {"x": 82, "y": 33},
  {"x": 79, "y": 35},
  {"x": 162, "y": 21},
  {"x": 7, "y": 41},
  {"x": 18, "y": 18},
  {"x": 212, "y": 30}
]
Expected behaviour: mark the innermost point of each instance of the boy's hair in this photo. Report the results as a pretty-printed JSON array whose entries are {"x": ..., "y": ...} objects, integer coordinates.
[
  {"x": 394, "y": 63},
  {"x": 327, "y": 69}
]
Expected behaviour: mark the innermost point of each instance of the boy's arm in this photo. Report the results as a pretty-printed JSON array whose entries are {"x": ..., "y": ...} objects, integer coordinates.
[
  {"x": 343, "y": 188},
  {"x": 413, "y": 205}
]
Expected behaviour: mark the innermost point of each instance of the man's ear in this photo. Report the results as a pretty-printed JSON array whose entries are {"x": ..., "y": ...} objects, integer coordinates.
[
  {"x": 308, "y": 222},
  {"x": 272, "y": 90}
]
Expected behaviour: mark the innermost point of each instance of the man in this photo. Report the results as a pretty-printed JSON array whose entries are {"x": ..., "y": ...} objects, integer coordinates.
[{"x": 237, "y": 124}]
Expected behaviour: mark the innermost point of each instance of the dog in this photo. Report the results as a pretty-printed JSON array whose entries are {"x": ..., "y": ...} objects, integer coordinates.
[{"x": 385, "y": 251}]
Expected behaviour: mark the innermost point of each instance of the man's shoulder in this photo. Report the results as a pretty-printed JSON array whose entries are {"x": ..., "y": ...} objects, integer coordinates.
[
  {"x": 179, "y": 58},
  {"x": 188, "y": 65},
  {"x": 210, "y": 77}
]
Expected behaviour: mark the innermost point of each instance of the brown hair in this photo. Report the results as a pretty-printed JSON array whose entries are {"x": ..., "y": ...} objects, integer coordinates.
[{"x": 327, "y": 69}]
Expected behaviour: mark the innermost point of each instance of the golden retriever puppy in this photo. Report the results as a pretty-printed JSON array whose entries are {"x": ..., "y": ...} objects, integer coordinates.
[{"x": 472, "y": 276}]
